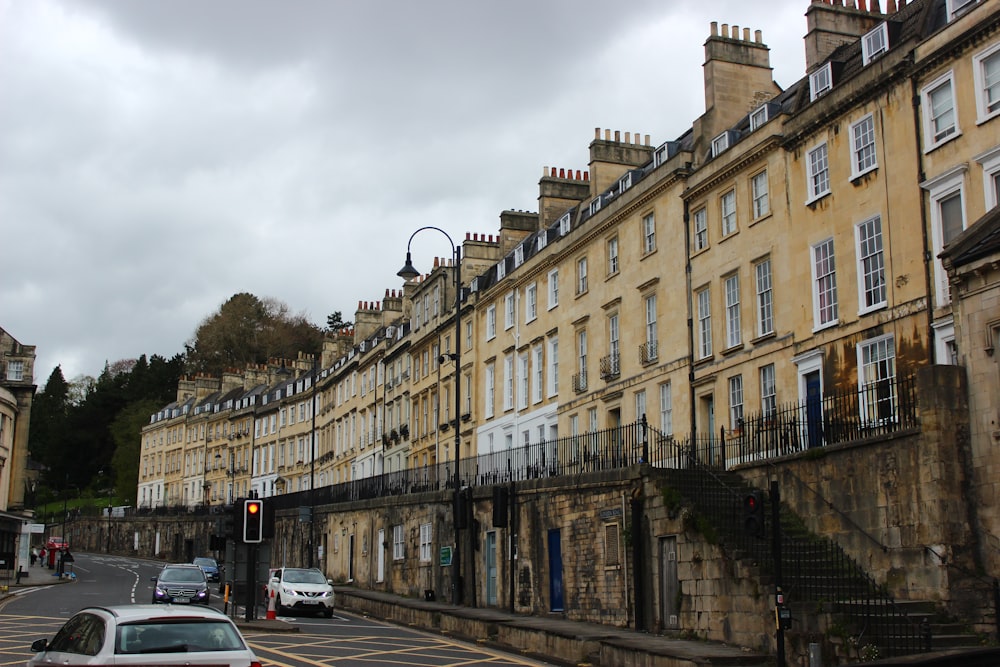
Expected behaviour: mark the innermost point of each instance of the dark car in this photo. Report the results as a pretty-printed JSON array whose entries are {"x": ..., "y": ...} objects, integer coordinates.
[
  {"x": 181, "y": 584},
  {"x": 209, "y": 566}
]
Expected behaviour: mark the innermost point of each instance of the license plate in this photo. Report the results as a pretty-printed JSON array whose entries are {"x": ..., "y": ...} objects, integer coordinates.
[{"x": 182, "y": 600}]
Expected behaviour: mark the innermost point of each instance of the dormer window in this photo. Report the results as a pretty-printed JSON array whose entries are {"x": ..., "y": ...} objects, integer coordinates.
[
  {"x": 501, "y": 269},
  {"x": 959, "y": 7},
  {"x": 543, "y": 239},
  {"x": 625, "y": 182},
  {"x": 518, "y": 256},
  {"x": 820, "y": 82},
  {"x": 720, "y": 143},
  {"x": 474, "y": 285},
  {"x": 875, "y": 43},
  {"x": 661, "y": 155},
  {"x": 564, "y": 225},
  {"x": 758, "y": 117},
  {"x": 595, "y": 206}
]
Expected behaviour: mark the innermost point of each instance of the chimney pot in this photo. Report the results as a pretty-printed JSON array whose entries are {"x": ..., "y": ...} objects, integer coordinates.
[
  {"x": 746, "y": 34},
  {"x": 618, "y": 135},
  {"x": 628, "y": 137},
  {"x": 715, "y": 28}
]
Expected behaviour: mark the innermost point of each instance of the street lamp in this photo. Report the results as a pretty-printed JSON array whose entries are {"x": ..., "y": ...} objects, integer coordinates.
[{"x": 409, "y": 273}]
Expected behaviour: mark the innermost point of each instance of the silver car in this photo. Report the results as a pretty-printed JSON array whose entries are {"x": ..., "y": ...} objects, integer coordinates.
[{"x": 145, "y": 635}]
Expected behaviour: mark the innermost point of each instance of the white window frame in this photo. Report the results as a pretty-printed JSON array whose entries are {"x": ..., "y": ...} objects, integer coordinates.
[
  {"x": 651, "y": 328},
  {"x": 764, "y": 287},
  {"x": 824, "y": 281},
  {"x": 863, "y": 147},
  {"x": 509, "y": 311},
  {"x": 700, "y": 229},
  {"x": 523, "y": 380},
  {"x": 944, "y": 341},
  {"x": 508, "y": 382},
  {"x": 501, "y": 269},
  {"x": 727, "y": 211},
  {"x": 518, "y": 256},
  {"x": 758, "y": 117},
  {"x": 491, "y": 321},
  {"x": 870, "y": 264},
  {"x": 553, "y": 288},
  {"x": 720, "y": 143},
  {"x": 648, "y": 233},
  {"x": 768, "y": 390},
  {"x": 817, "y": 172},
  {"x": 426, "y": 541},
  {"x": 595, "y": 205},
  {"x": 612, "y": 255},
  {"x": 761, "y": 191},
  {"x": 983, "y": 113},
  {"x": 733, "y": 331},
  {"x": 990, "y": 162},
  {"x": 539, "y": 369},
  {"x": 703, "y": 297},
  {"x": 958, "y": 7},
  {"x": 932, "y": 137},
  {"x": 581, "y": 275},
  {"x": 543, "y": 240},
  {"x": 531, "y": 302},
  {"x": 564, "y": 224},
  {"x": 820, "y": 82},
  {"x": 398, "y": 543},
  {"x": 553, "y": 366},
  {"x": 666, "y": 409},
  {"x": 735, "y": 402},
  {"x": 875, "y": 42},
  {"x": 489, "y": 395},
  {"x": 940, "y": 188},
  {"x": 867, "y": 368}
]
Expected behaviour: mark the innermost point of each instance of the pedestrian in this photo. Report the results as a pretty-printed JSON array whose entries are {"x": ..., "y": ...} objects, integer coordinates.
[
  {"x": 34, "y": 556},
  {"x": 42, "y": 556}
]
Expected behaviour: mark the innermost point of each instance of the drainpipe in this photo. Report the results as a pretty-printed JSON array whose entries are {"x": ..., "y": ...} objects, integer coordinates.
[{"x": 690, "y": 321}]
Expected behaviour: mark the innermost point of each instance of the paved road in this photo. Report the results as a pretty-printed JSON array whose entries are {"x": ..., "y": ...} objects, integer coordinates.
[{"x": 36, "y": 612}]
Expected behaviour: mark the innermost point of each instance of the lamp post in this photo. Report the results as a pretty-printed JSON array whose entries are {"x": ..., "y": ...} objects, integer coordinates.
[
  {"x": 312, "y": 470},
  {"x": 409, "y": 273}
]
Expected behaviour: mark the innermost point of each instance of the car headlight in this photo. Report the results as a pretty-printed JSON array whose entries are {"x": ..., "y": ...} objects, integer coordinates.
[
  {"x": 287, "y": 591},
  {"x": 201, "y": 594},
  {"x": 160, "y": 592}
]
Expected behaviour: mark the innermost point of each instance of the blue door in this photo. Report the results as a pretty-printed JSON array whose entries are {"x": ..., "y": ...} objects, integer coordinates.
[
  {"x": 814, "y": 410},
  {"x": 555, "y": 571}
]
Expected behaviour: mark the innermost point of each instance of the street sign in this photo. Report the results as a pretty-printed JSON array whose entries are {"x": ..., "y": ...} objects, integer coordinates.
[{"x": 445, "y": 556}]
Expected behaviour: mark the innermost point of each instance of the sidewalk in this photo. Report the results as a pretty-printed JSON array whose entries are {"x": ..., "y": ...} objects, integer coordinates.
[{"x": 551, "y": 638}]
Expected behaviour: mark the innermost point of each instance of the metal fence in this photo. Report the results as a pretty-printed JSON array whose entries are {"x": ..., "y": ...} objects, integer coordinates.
[{"x": 875, "y": 410}]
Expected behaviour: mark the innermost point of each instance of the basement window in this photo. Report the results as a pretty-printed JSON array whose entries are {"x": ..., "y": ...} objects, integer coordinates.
[{"x": 612, "y": 551}]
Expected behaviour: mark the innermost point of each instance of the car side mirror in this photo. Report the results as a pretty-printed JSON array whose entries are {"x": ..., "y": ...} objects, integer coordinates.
[
  {"x": 39, "y": 645},
  {"x": 152, "y": 578},
  {"x": 329, "y": 582},
  {"x": 274, "y": 580}
]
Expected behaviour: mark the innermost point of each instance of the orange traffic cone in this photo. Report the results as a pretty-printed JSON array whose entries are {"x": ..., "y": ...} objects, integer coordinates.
[{"x": 271, "y": 614}]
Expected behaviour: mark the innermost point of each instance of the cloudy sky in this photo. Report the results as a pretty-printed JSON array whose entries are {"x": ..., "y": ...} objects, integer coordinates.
[{"x": 158, "y": 157}]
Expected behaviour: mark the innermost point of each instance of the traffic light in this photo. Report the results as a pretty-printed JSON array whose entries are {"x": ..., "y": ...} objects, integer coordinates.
[
  {"x": 253, "y": 521},
  {"x": 753, "y": 513},
  {"x": 228, "y": 524}
]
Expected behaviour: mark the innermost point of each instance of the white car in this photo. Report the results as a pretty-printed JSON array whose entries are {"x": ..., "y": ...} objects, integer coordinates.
[
  {"x": 301, "y": 589},
  {"x": 145, "y": 634}
]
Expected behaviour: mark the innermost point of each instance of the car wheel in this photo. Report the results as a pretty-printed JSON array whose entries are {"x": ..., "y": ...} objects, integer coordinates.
[{"x": 328, "y": 612}]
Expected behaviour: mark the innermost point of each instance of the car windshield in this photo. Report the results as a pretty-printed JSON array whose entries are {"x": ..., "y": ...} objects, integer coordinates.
[
  {"x": 304, "y": 577},
  {"x": 206, "y": 562},
  {"x": 177, "y": 637},
  {"x": 184, "y": 575}
]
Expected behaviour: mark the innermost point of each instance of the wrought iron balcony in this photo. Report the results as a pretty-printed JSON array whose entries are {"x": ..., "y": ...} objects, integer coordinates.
[
  {"x": 648, "y": 352},
  {"x": 580, "y": 382},
  {"x": 611, "y": 367}
]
